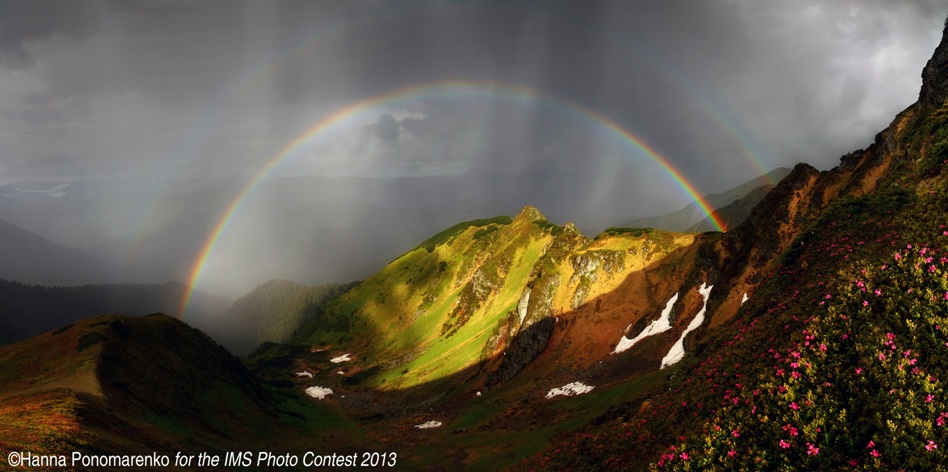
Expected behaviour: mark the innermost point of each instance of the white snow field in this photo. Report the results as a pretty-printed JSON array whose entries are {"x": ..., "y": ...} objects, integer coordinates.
[
  {"x": 318, "y": 393},
  {"x": 429, "y": 424},
  {"x": 570, "y": 389},
  {"x": 342, "y": 358},
  {"x": 677, "y": 351},
  {"x": 658, "y": 326}
]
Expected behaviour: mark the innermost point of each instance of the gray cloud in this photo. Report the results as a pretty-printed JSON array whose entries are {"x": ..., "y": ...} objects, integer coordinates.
[
  {"x": 387, "y": 128},
  {"x": 718, "y": 87},
  {"x": 23, "y": 23}
]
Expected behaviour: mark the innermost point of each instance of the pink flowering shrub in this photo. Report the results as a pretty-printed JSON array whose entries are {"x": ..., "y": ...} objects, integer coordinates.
[{"x": 838, "y": 362}]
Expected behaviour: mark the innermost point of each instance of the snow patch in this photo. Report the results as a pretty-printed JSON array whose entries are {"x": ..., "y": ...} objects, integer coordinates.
[
  {"x": 318, "y": 393},
  {"x": 677, "y": 351},
  {"x": 429, "y": 424},
  {"x": 341, "y": 372},
  {"x": 570, "y": 389},
  {"x": 342, "y": 358},
  {"x": 744, "y": 298},
  {"x": 304, "y": 374},
  {"x": 658, "y": 326}
]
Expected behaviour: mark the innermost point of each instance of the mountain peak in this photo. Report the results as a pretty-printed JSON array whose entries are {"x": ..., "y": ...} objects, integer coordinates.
[
  {"x": 530, "y": 213},
  {"x": 935, "y": 75}
]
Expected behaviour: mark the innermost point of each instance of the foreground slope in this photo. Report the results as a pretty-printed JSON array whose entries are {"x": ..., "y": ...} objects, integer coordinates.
[
  {"x": 837, "y": 360},
  {"x": 117, "y": 384}
]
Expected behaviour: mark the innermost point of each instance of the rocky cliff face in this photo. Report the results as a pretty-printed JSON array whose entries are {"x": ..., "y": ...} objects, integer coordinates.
[{"x": 935, "y": 76}]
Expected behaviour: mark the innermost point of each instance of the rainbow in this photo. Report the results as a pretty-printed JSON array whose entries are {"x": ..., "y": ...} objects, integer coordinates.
[{"x": 447, "y": 88}]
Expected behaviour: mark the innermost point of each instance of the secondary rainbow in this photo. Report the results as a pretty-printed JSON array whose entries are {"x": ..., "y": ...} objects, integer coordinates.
[{"x": 437, "y": 88}]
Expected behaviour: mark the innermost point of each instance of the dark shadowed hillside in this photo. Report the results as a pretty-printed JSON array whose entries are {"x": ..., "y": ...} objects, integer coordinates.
[{"x": 272, "y": 312}]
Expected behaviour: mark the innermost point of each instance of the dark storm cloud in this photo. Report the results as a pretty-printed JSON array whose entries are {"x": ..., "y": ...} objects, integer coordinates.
[
  {"x": 387, "y": 128},
  {"x": 223, "y": 84},
  {"x": 25, "y": 22}
]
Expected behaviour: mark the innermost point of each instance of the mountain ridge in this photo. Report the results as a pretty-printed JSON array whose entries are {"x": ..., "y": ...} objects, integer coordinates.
[
  {"x": 692, "y": 217},
  {"x": 31, "y": 258}
]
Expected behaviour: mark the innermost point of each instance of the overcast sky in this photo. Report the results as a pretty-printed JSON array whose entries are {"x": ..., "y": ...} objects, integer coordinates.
[{"x": 722, "y": 88}]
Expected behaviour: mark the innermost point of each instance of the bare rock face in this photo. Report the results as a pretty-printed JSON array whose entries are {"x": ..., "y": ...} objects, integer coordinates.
[{"x": 935, "y": 75}]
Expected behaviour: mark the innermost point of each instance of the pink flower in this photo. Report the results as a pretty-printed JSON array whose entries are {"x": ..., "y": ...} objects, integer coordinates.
[
  {"x": 871, "y": 444},
  {"x": 874, "y": 453},
  {"x": 858, "y": 370},
  {"x": 929, "y": 398},
  {"x": 931, "y": 446},
  {"x": 735, "y": 434},
  {"x": 812, "y": 450},
  {"x": 784, "y": 444},
  {"x": 794, "y": 406},
  {"x": 878, "y": 292},
  {"x": 865, "y": 303},
  {"x": 731, "y": 453},
  {"x": 828, "y": 296},
  {"x": 684, "y": 456},
  {"x": 881, "y": 356}
]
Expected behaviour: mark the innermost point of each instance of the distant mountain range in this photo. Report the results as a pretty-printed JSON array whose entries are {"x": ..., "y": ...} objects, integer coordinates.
[
  {"x": 27, "y": 310},
  {"x": 30, "y": 258},
  {"x": 732, "y": 206}
]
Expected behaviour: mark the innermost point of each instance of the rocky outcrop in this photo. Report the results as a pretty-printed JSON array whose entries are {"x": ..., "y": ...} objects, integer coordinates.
[
  {"x": 586, "y": 268},
  {"x": 935, "y": 76}
]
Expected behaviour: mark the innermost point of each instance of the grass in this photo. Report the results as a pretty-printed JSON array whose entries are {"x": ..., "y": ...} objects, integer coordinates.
[
  {"x": 444, "y": 356},
  {"x": 491, "y": 447},
  {"x": 446, "y": 235}
]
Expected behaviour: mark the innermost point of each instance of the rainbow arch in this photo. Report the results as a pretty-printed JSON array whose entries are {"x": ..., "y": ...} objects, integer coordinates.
[{"x": 453, "y": 87}]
